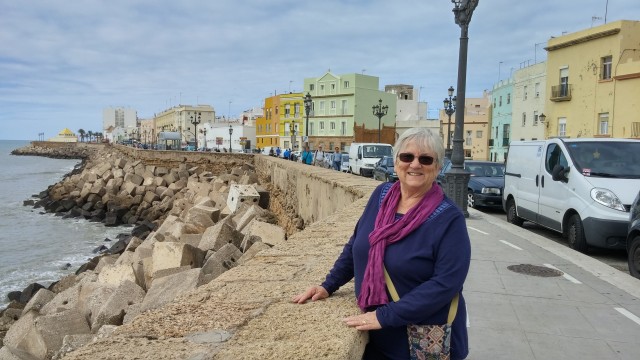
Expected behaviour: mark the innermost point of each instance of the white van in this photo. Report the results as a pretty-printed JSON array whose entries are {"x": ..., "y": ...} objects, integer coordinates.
[
  {"x": 582, "y": 187},
  {"x": 364, "y": 156}
]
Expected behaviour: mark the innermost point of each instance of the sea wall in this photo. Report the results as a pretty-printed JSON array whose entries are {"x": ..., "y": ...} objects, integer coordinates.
[{"x": 246, "y": 313}]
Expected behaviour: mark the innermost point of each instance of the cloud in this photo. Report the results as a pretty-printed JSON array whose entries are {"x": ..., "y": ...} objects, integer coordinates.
[{"x": 63, "y": 62}]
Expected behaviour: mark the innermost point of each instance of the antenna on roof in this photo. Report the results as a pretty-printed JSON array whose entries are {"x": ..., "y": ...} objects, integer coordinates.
[{"x": 594, "y": 18}]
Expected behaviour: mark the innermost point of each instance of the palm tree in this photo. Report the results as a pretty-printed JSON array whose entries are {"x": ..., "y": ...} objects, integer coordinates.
[
  {"x": 82, "y": 134},
  {"x": 99, "y": 136},
  {"x": 90, "y": 135}
]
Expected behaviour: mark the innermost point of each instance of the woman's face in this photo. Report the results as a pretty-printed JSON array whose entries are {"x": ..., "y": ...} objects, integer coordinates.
[{"x": 414, "y": 176}]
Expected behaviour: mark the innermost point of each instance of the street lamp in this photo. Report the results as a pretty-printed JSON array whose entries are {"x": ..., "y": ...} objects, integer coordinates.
[
  {"x": 457, "y": 179},
  {"x": 449, "y": 109},
  {"x": 307, "y": 110},
  {"x": 380, "y": 111},
  {"x": 204, "y": 133},
  {"x": 230, "y": 132},
  {"x": 195, "y": 120}
]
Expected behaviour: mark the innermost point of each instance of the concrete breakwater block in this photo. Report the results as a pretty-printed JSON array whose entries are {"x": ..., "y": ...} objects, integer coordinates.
[{"x": 239, "y": 194}]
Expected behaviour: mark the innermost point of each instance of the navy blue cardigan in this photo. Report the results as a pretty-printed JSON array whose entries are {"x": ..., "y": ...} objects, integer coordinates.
[{"x": 427, "y": 268}]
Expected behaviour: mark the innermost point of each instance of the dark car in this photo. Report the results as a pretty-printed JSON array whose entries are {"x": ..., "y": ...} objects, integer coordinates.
[
  {"x": 485, "y": 184},
  {"x": 384, "y": 170},
  {"x": 633, "y": 238}
]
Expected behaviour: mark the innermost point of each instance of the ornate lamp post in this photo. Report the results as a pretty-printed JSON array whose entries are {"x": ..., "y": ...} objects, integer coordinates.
[
  {"x": 449, "y": 109},
  {"x": 195, "y": 120},
  {"x": 230, "y": 133},
  {"x": 307, "y": 110},
  {"x": 380, "y": 111},
  {"x": 457, "y": 179},
  {"x": 204, "y": 133}
]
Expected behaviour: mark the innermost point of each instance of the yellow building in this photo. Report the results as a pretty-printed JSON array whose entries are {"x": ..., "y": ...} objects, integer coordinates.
[
  {"x": 593, "y": 82},
  {"x": 291, "y": 121},
  {"x": 476, "y": 128},
  {"x": 65, "y": 135},
  {"x": 267, "y": 125}
]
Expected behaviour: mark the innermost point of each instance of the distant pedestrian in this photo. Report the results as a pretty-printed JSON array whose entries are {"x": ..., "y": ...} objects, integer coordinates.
[
  {"x": 318, "y": 157},
  {"x": 278, "y": 151},
  {"x": 307, "y": 156},
  {"x": 337, "y": 159},
  {"x": 286, "y": 154}
]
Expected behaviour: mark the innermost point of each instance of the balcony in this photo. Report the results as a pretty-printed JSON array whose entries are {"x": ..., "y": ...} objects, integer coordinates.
[{"x": 561, "y": 92}]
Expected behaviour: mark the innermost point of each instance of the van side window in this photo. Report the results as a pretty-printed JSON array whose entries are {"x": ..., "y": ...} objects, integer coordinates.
[{"x": 554, "y": 157}]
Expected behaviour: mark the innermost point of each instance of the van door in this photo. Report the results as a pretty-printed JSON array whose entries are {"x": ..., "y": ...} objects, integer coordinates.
[{"x": 553, "y": 194}]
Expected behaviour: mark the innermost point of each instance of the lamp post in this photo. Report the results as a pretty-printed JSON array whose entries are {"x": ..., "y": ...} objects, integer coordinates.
[
  {"x": 457, "y": 179},
  {"x": 449, "y": 109},
  {"x": 204, "y": 133},
  {"x": 230, "y": 133},
  {"x": 195, "y": 120},
  {"x": 542, "y": 117},
  {"x": 307, "y": 110},
  {"x": 380, "y": 111}
]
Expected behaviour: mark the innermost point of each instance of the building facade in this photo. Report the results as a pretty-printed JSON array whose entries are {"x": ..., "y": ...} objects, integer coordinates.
[
  {"x": 476, "y": 127},
  {"x": 593, "y": 82},
  {"x": 342, "y": 111},
  {"x": 118, "y": 121},
  {"x": 529, "y": 94},
  {"x": 183, "y": 119},
  {"x": 501, "y": 119}
]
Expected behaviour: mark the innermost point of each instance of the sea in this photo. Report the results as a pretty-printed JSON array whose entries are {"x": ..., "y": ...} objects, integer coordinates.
[{"x": 36, "y": 246}]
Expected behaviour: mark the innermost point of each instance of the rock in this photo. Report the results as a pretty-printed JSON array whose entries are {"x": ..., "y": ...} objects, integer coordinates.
[
  {"x": 165, "y": 289},
  {"x": 39, "y": 300},
  {"x": 113, "y": 310},
  {"x": 220, "y": 234},
  {"x": 29, "y": 292},
  {"x": 14, "y": 295}
]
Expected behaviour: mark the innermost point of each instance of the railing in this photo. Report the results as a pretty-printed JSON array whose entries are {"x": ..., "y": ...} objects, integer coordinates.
[{"x": 561, "y": 92}]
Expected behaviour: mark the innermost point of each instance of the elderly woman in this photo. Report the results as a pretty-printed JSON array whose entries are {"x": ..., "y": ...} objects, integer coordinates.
[{"x": 419, "y": 236}]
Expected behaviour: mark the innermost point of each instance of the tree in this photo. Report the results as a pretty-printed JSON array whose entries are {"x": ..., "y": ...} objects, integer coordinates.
[
  {"x": 82, "y": 134},
  {"x": 90, "y": 135}
]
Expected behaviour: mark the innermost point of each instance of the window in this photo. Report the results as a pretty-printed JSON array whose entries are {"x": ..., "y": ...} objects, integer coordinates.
[
  {"x": 509, "y": 98},
  {"x": 564, "y": 82},
  {"x": 635, "y": 129},
  {"x": 479, "y": 134},
  {"x": 333, "y": 105},
  {"x": 344, "y": 107},
  {"x": 333, "y": 87},
  {"x": 346, "y": 84},
  {"x": 311, "y": 87},
  {"x": 603, "y": 121},
  {"x": 606, "y": 68},
  {"x": 287, "y": 110},
  {"x": 506, "y": 129},
  {"x": 321, "y": 87},
  {"x": 468, "y": 138},
  {"x": 343, "y": 129},
  {"x": 535, "y": 118},
  {"x": 332, "y": 126},
  {"x": 277, "y": 110},
  {"x": 311, "y": 129},
  {"x": 494, "y": 103},
  {"x": 562, "y": 127},
  {"x": 500, "y": 102},
  {"x": 525, "y": 93},
  {"x": 296, "y": 110},
  {"x": 537, "y": 89},
  {"x": 321, "y": 125},
  {"x": 524, "y": 119},
  {"x": 322, "y": 106}
]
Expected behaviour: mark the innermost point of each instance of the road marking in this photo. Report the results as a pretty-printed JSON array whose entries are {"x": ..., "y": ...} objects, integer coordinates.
[
  {"x": 566, "y": 276},
  {"x": 629, "y": 315},
  {"x": 510, "y": 244},
  {"x": 480, "y": 231}
]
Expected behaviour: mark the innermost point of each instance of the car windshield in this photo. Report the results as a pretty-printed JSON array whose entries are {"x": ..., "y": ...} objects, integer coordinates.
[
  {"x": 376, "y": 151},
  {"x": 485, "y": 169},
  {"x": 388, "y": 162},
  {"x": 606, "y": 159}
]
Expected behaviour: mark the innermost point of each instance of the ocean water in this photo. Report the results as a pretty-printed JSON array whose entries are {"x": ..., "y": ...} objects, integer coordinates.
[{"x": 35, "y": 246}]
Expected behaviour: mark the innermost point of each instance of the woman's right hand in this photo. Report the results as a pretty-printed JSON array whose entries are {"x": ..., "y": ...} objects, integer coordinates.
[{"x": 314, "y": 293}]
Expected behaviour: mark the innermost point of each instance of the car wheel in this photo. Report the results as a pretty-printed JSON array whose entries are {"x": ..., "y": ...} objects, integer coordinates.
[
  {"x": 634, "y": 257},
  {"x": 512, "y": 215},
  {"x": 361, "y": 172},
  {"x": 576, "y": 234},
  {"x": 471, "y": 200}
]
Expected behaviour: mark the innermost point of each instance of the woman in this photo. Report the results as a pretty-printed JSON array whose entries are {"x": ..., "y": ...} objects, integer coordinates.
[{"x": 421, "y": 238}]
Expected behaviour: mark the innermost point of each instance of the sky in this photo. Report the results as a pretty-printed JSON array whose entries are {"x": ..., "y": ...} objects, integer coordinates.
[{"x": 62, "y": 62}]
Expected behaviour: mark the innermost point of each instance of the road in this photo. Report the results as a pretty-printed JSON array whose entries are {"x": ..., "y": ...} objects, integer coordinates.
[{"x": 614, "y": 258}]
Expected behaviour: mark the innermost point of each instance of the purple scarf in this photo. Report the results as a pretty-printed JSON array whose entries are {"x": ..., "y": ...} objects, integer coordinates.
[{"x": 387, "y": 231}]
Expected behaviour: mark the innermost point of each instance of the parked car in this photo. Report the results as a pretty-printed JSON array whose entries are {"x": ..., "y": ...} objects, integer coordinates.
[
  {"x": 384, "y": 170},
  {"x": 633, "y": 238},
  {"x": 485, "y": 184}
]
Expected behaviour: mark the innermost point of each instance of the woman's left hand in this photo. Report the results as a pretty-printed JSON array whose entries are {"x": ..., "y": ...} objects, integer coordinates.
[{"x": 366, "y": 321}]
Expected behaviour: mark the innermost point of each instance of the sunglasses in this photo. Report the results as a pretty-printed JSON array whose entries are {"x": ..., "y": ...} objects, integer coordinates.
[{"x": 422, "y": 159}]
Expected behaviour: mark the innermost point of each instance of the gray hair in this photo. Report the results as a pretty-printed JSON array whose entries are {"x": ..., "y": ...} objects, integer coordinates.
[{"x": 424, "y": 138}]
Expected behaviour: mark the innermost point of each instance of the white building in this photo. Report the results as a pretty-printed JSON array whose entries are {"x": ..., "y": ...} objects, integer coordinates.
[
  {"x": 118, "y": 120},
  {"x": 217, "y": 134}
]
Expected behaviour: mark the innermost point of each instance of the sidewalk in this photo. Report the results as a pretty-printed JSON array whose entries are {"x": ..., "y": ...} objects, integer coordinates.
[{"x": 590, "y": 312}]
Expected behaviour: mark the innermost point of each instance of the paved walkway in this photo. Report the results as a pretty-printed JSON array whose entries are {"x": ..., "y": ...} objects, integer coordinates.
[{"x": 591, "y": 311}]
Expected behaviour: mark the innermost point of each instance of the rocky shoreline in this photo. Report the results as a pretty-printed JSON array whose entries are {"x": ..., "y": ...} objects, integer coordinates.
[{"x": 190, "y": 226}]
